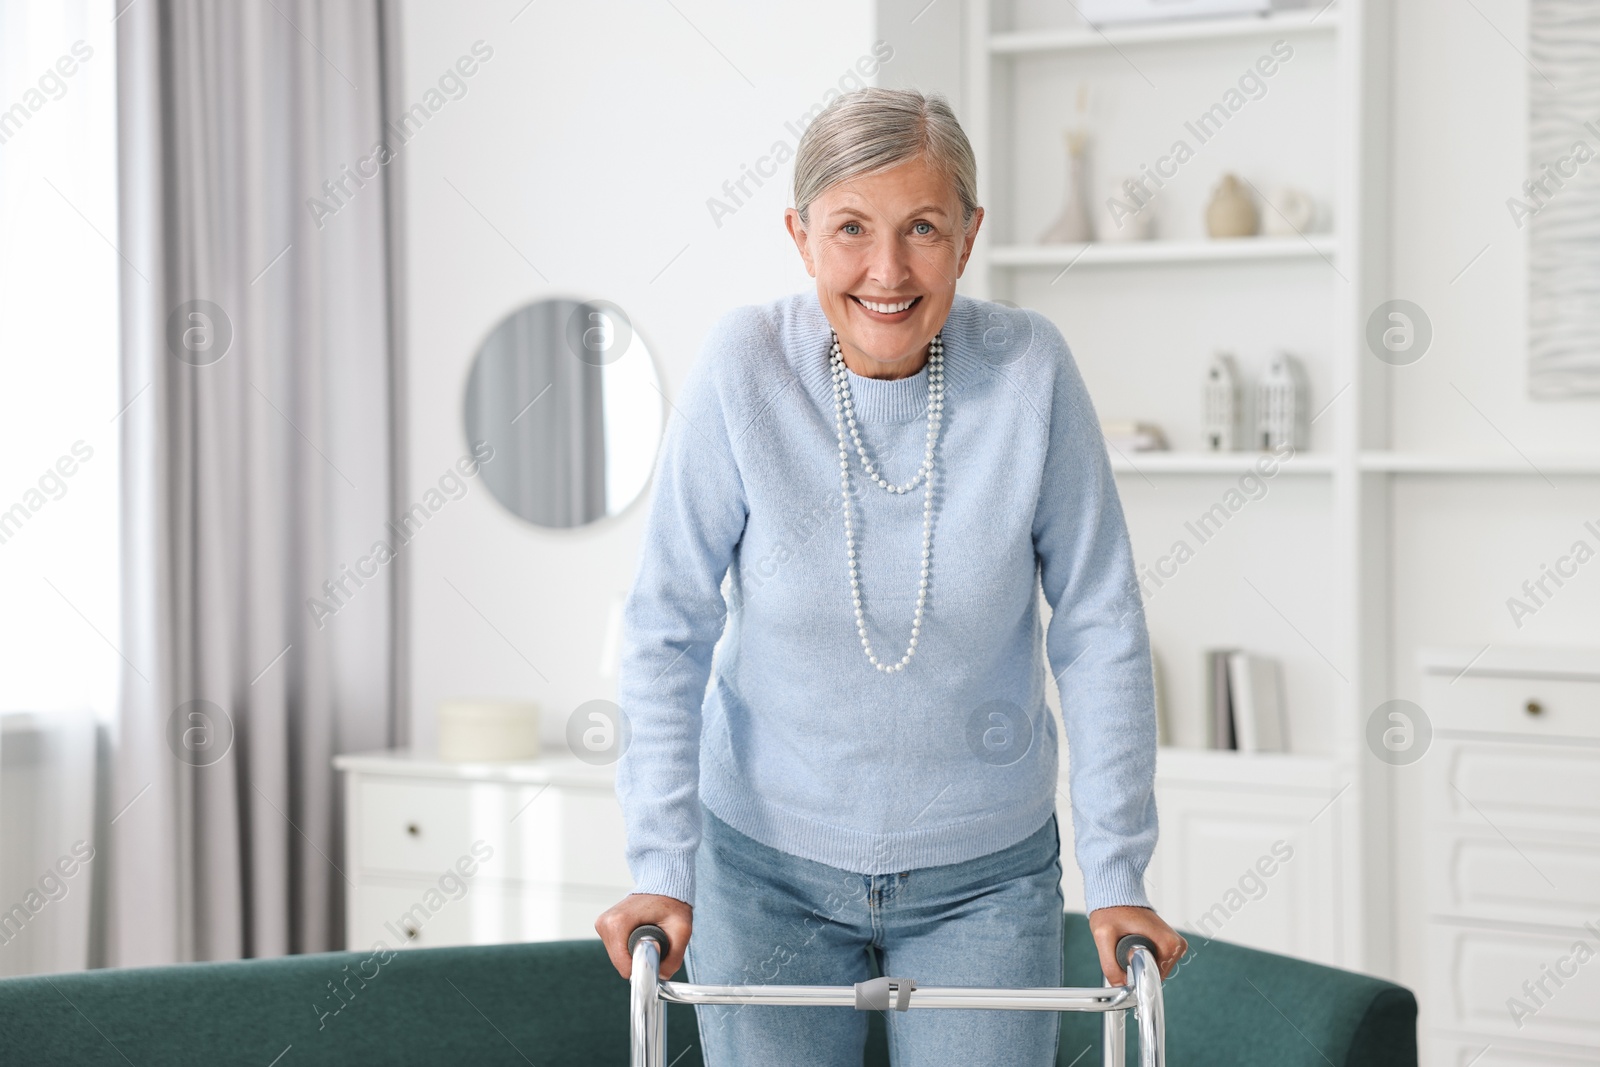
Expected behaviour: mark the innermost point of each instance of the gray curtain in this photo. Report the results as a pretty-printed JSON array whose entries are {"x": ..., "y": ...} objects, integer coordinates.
[{"x": 259, "y": 466}]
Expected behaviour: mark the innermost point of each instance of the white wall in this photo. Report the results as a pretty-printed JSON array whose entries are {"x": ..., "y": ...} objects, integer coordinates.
[
  {"x": 579, "y": 162},
  {"x": 1463, "y": 545},
  {"x": 1460, "y": 113}
]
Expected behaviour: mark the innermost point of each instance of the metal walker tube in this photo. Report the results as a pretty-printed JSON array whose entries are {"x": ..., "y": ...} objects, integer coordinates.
[
  {"x": 1114, "y": 1037},
  {"x": 647, "y": 1014},
  {"x": 1142, "y": 995}
]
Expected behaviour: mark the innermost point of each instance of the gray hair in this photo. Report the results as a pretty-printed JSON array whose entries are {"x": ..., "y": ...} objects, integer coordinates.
[{"x": 875, "y": 129}]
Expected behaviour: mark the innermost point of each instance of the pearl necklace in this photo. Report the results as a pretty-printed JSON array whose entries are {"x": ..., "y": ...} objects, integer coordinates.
[{"x": 844, "y": 414}]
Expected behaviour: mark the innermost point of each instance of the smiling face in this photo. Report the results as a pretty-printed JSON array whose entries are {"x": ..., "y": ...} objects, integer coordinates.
[{"x": 886, "y": 250}]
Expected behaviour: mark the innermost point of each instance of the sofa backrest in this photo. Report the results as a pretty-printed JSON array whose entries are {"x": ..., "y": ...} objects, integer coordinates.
[
  {"x": 546, "y": 1003},
  {"x": 560, "y": 1003},
  {"x": 1231, "y": 1006}
]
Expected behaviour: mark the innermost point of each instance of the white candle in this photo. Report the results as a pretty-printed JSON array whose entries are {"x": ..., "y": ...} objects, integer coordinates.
[{"x": 473, "y": 730}]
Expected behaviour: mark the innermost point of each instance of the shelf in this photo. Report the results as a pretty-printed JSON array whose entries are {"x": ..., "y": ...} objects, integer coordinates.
[
  {"x": 555, "y": 768},
  {"x": 1213, "y": 766},
  {"x": 1120, "y": 253},
  {"x": 1182, "y": 462},
  {"x": 1228, "y": 463},
  {"x": 1084, "y": 38},
  {"x": 1444, "y": 463},
  {"x": 1186, "y": 462}
]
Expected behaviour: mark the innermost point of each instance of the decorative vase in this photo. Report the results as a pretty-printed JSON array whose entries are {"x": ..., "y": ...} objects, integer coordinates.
[
  {"x": 1129, "y": 213},
  {"x": 1232, "y": 211},
  {"x": 1074, "y": 225},
  {"x": 1293, "y": 212}
]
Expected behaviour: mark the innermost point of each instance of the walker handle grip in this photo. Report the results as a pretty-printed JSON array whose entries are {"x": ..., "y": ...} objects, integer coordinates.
[
  {"x": 1125, "y": 946},
  {"x": 649, "y": 930}
]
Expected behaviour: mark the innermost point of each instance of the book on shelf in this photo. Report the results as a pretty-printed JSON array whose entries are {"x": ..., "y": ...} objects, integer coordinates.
[
  {"x": 1244, "y": 702},
  {"x": 1256, "y": 691},
  {"x": 1219, "y": 704},
  {"x": 1130, "y": 435},
  {"x": 1163, "y": 715}
]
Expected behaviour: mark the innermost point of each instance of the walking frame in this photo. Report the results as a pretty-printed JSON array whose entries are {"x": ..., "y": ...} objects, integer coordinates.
[{"x": 1135, "y": 954}]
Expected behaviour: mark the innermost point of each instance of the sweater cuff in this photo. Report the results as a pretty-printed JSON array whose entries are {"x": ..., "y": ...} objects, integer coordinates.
[
  {"x": 667, "y": 874},
  {"x": 1114, "y": 885}
]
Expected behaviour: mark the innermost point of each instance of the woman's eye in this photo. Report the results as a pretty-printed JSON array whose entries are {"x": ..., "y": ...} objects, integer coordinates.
[
  {"x": 852, "y": 228},
  {"x": 923, "y": 229}
]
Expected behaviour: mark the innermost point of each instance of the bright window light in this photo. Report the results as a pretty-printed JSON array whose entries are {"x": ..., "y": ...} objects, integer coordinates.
[{"x": 59, "y": 395}]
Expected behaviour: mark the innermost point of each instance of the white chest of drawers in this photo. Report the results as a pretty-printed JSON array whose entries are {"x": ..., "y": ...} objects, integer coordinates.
[
  {"x": 478, "y": 853},
  {"x": 1512, "y": 860}
]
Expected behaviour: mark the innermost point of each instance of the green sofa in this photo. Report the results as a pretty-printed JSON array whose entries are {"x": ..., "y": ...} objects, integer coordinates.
[{"x": 560, "y": 1004}]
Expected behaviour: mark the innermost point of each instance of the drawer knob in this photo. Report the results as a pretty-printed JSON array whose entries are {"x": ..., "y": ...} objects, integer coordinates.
[
  {"x": 1533, "y": 707},
  {"x": 411, "y": 932},
  {"x": 413, "y": 829}
]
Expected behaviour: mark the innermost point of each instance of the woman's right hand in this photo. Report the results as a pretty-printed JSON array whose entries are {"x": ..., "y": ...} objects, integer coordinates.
[{"x": 639, "y": 909}]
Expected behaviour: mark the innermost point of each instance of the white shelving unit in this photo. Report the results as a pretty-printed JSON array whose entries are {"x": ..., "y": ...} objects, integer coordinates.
[
  {"x": 1509, "y": 463},
  {"x": 1298, "y": 571},
  {"x": 1110, "y": 254},
  {"x": 1226, "y": 463},
  {"x": 1072, "y": 38}
]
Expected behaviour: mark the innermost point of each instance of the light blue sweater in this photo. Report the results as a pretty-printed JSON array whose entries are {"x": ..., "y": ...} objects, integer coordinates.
[{"x": 798, "y": 741}]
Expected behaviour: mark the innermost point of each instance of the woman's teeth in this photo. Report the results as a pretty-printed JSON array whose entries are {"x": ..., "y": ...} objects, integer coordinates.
[{"x": 886, "y": 309}]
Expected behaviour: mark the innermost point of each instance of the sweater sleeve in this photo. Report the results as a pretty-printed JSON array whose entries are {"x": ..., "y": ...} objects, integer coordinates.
[
  {"x": 1097, "y": 644},
  {"x": 672, "y": 620}
]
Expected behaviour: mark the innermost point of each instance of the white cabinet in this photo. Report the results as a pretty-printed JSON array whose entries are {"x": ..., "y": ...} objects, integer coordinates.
[
  {"x": 1457, "y": 1053},
  {"x": 478, "y": 853},
  {"x": 1512, "y": 856},
  {"x": 1248, "y": 852}
]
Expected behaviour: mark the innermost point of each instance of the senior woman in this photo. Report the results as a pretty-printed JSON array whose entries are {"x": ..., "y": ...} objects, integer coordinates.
[{"x": 886, "y": 473}]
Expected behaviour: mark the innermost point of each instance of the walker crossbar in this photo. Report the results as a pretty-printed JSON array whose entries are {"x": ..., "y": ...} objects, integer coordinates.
[
  {"x": 1110, "y": 998},
  {"x": 1142, "y": 995}
]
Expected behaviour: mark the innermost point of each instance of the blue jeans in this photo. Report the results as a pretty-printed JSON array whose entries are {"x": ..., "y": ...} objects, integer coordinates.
[{"x": 765, "y": 917}]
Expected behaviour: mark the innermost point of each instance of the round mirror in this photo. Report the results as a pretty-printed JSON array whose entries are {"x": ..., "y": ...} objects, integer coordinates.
[{"x": 567, "y": 394}]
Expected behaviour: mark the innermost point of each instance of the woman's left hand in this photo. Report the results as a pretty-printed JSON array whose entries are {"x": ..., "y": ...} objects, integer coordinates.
[{"x": 1110, "y": 925}]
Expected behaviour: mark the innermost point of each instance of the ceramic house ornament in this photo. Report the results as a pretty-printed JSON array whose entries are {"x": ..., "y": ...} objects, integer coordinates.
[
  {"x": 1281, "y": 405},
  {"x": 1221, "y": 404}
]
